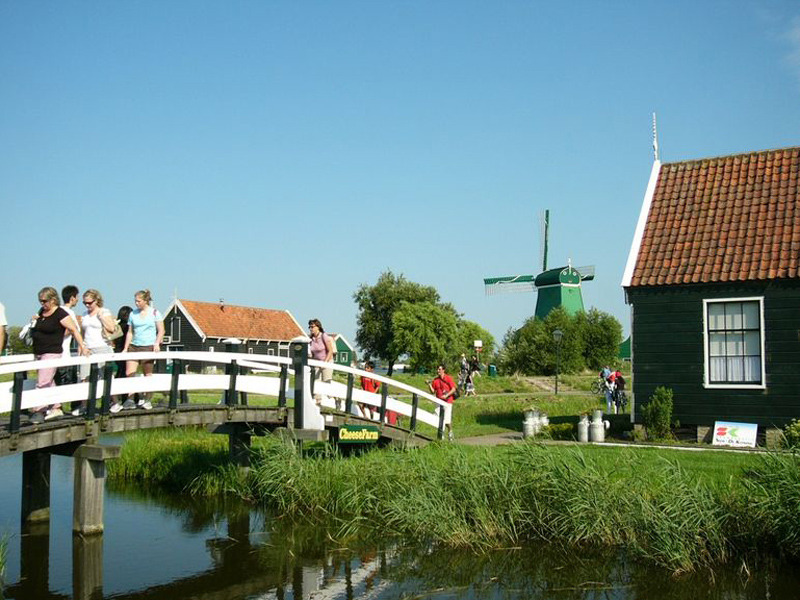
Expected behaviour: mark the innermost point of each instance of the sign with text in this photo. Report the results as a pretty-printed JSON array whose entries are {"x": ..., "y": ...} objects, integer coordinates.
[
  {"x": 735, "y": 434},
  {"x": 358, "y": 434}
]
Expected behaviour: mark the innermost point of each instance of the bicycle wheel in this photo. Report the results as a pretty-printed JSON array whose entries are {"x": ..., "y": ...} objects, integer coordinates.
[{"x": 596, "y": 387}]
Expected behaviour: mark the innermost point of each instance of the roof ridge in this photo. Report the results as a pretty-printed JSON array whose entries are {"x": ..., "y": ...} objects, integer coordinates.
[
  {"x": 728, "y": 156},
  {"x": 232, "y": 305}
]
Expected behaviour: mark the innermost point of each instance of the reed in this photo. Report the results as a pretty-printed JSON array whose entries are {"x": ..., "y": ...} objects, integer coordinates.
[
  {"x": 484, "y": 498},
  {"x": 3, "y": 554}
]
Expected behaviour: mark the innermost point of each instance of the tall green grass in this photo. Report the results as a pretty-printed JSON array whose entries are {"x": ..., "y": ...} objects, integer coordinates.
[
  {"x": 481, "y": 498},
  {"x": 3, "y": 554}
]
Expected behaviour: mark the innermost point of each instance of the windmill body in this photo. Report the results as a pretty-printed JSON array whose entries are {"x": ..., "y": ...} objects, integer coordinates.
[{"x": 555, "y": 287}]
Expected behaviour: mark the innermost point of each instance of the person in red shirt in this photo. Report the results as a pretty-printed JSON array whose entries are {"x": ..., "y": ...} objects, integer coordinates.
[
  {"x": 444, "y": 388},
  {"x": 369, "y": 385}
]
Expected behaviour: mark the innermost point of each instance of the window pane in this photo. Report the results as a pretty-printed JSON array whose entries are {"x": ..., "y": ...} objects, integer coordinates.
[
  {"x": 752, "y": 346},
  {"x": 716, "y": 316},
  {"x": 752, "y": 369},
  {"x": 734, "y": 345},
  {"x": 733, "y": 315},
  {"x": 750, "y": 315},
  {"x": 717, "y": 344},
  {"x": 717, "y": 366},
  {"x": 735, "y": 369}
]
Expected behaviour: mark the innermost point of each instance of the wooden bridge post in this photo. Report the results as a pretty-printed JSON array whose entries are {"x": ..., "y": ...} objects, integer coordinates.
[
  {"x": 90, "y": 479},
  {"x": 35, "y": 486},
  {"x": 299, "y": 363},
  {"x": 87, "y": 567}
]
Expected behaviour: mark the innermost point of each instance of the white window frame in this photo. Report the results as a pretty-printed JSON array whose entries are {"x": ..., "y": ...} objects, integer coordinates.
[{"x": 706, "y": 358}]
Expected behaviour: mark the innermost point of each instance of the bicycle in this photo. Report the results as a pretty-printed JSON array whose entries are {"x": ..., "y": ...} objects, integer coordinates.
[{"x": 598, "y": 387}]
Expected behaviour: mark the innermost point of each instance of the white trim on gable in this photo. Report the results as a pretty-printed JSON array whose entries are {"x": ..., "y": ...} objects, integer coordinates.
[
  {"x": 639, "y": 233},
  {"x": 177, "y": 304}
]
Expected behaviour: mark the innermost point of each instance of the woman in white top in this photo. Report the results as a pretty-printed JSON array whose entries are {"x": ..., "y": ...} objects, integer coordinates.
[{"x": 97, "y": 322}]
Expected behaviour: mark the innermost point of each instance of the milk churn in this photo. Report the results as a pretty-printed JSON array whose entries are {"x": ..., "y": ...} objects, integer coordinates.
[
  {"x": 528, "y": 425},
  {"x": 583, "y": 429},
  {"x": 597, "y": 429}
]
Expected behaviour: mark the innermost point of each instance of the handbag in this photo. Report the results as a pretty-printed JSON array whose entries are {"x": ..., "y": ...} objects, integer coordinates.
[
  {"x": 26, "y": 333},
  {"x": 110, "y": 336}
]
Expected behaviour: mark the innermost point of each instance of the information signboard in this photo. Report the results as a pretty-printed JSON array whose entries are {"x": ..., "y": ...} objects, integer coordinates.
[{"x": 735, "y": 434}]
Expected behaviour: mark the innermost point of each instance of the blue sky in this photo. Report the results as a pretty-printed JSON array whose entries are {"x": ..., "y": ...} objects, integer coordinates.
[{"x": 279, "y": 154}]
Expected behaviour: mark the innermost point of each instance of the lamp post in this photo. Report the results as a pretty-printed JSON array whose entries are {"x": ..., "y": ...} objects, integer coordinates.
[{"x": 557, "y": 335}]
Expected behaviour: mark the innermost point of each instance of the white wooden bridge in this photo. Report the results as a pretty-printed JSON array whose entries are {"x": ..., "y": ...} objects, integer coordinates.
[{"x": 255, "y": 395}]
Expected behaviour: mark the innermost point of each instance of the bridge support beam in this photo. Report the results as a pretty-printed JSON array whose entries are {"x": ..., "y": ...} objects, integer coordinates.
[
  {"x": 35, "y": 486},
  {"x": 90, "y": 480}
]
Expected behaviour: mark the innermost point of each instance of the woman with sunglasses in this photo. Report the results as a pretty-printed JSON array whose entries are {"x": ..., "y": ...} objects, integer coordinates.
[
  {"x": 47, "y": 333},
  {"x": 96, "y": 322}
]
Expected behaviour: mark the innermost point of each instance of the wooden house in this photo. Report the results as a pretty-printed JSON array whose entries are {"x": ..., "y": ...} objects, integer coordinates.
[
  {"x": 203, "y": 326},
  {"x": 714, "y": 287},
  {"x": 345, "y": 351}
]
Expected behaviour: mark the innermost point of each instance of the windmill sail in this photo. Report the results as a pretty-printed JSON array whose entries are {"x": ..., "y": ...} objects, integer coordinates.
[{"x": 509, "y": 284}]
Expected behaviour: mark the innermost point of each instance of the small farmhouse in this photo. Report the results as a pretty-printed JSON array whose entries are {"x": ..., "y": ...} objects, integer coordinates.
[
  {"x": 202, "y": 326},
  {"x": 345, "y": 352},
  {"x": 713, "y": 280}
]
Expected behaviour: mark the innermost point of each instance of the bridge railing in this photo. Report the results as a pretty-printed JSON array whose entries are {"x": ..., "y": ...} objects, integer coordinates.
[{"x": 21, "y": 394}]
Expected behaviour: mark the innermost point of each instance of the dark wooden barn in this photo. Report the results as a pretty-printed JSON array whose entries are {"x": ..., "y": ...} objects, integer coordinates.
[
  {"x": 713, "y": 283},
  {"x": 203, "y": 326}
]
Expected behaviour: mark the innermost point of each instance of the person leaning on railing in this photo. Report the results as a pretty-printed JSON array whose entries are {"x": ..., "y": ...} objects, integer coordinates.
[{"x": 48, "y": 328}]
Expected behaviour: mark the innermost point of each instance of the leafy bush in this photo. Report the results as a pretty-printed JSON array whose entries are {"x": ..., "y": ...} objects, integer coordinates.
[
  {"x": 590, "y": 339},
  {"x": 560, "y": 431},
  {"x": 657, "y": 414},
  {"x": 791, "y": 434}
]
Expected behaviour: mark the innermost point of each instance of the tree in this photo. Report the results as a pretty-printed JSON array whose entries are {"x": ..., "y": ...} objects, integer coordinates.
[
  {"x": 601, "y": 336},
  {"x": 426, "y": 331},
  {"x": 376, "y": 307},
  {"x": 468, "y": 332},
  {"x": 14, "y": 345}
]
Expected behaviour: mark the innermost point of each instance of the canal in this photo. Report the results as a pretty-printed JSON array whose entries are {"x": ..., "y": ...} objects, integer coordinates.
[{"x": 173, "y": 547}]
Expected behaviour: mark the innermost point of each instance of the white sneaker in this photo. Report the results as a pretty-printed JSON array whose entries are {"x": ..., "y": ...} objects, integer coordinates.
[
  {"x": 115, "y": 408},
  {"x": 145, "y": 404},
  {"x": 78, "y": 412},
  {"x": 53, "y": 413}
]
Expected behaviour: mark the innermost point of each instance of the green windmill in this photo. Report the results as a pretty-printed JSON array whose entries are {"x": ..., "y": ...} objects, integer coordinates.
[{"x": 555, "y": 287}]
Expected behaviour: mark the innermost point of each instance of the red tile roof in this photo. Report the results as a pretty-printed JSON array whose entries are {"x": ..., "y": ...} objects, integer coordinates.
[
  {"x": 732, "y": 218},
  {"x": 245, "y": 322}
]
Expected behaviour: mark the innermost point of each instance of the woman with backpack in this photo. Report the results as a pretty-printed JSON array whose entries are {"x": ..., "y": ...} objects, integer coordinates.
[{"x": 321, "y": 348}]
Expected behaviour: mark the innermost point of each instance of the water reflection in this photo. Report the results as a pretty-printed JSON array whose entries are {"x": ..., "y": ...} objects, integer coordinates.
[{"x": 170, "y": 547}]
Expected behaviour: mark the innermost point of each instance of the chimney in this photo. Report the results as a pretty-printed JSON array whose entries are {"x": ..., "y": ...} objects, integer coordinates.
[{"x": 222, "y": 304}]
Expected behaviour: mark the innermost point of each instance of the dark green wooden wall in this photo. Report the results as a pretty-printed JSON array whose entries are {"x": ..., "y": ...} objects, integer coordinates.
[{"x": 668, "y": 351}]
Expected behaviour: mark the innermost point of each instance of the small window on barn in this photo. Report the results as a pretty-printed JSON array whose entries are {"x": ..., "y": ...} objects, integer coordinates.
[
  {"x": 344, "y": 356},
  {"x": 270, "y": 351},
  {"x": 175, "y": 329},
  {"x": 734, "y": 336}
]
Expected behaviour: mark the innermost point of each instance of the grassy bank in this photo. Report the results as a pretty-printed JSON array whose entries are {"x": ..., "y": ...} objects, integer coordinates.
[{"x": 669, "y": 508}]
